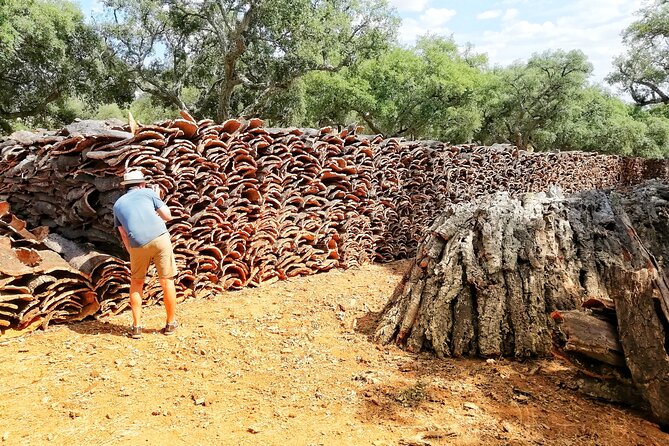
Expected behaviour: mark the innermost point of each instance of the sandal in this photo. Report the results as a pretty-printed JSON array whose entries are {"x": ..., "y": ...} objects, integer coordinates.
[
  {"x": 135, "y": 332},
  {"x": 170, "y": 328}
]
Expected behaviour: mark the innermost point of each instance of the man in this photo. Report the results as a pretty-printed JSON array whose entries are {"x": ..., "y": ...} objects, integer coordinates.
[{"x": 140, "y": 217}]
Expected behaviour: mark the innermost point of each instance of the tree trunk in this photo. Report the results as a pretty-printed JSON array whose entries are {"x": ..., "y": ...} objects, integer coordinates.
[
  {"x": 225, "y": 96},
  {"x": 490, "y": 272},
  {"x": 234, "y": 49}
]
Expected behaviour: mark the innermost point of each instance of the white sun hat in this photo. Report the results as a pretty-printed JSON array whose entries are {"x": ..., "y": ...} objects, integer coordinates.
[{"x": 133, "y": 177}]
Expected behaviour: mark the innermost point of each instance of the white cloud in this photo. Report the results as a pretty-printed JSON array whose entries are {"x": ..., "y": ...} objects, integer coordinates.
[
  {"x": 437, "y": 17},
  {"x": 489, "y": 14},
  {"x": 507, "y": 15},
  {"x": 409, "y": 5},
  {"x": 432, "y": 21},
  {"x": 593, "y": 27},
  {"x": 510, "y": 14},
  {"x": 411, "y": 29}
]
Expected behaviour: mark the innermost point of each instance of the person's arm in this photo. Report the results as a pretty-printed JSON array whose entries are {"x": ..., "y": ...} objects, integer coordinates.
[
  {"x": 161, "y": 208},
  {"x": 124, "y": 237},
  {"x": 164, "y": 213}
]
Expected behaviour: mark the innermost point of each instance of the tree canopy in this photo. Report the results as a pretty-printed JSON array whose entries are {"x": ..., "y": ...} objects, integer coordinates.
[
  {"x": 323, "y": 62},
  {"x": 529, "y": 102},
  {"x": 240, "y": 55},
  {"x": 429, "y": 91},
  {"x": 48, "y": 54},
  {"x": 643, "y": 71}
]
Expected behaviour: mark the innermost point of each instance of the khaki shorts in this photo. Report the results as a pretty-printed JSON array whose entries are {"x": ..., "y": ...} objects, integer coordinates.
[{"x": 160, "y": 251}]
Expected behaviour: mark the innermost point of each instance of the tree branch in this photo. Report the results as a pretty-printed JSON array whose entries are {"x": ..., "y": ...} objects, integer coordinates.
[
  {"x": 24, "y": 113},
  {"x": 662, "y": 97},
  {"x": 366, "y": 116}
]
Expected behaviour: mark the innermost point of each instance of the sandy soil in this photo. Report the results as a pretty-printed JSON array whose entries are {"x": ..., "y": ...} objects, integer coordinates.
[{"x": 287, "y": 364}]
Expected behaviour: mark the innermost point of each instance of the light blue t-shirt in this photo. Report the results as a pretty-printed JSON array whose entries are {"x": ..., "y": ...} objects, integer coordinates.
[{"x": 136, "y": 212}]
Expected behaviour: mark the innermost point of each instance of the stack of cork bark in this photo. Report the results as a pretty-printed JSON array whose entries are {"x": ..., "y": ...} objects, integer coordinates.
[{"x": 255, "y": 204}]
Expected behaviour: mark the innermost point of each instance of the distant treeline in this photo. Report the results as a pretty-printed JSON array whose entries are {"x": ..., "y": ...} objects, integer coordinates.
[{"x": 313, "y": 63}]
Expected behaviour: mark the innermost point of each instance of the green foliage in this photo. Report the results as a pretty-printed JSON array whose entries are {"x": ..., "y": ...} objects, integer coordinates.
[
  {"x": 242, "y": 56},
  {"x": 599, "y": 122},
  {"x": 528, "y": 103},
  {"x": 321, "y": 62},
  {"x": 331, "y": 97},
  {"x": 643, "y": 71},
  {"x": 110, "y": 111},
  {"x": 146, "y": 110},
  {"x": 655, "y": 143},
  {"x": 48, "y": 54},
  {"x": 428, "y": 91},
  {"x": 67, "y": 111}
]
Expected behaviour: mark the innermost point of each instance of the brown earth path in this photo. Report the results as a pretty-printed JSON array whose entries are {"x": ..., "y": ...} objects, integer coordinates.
[{"x": 287, "y": 364}]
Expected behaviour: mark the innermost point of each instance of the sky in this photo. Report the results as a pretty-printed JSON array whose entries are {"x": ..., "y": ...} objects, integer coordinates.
[{"x": 513, "y": 30}]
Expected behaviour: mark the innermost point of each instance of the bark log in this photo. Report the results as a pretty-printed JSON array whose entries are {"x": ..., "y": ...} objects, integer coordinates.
[
  {"x": 491, "y": 271},
  {"x": 591, "y": 336}
]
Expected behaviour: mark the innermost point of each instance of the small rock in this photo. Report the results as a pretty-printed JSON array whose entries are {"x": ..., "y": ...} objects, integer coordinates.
[
  {"x": 413, "y": 442},
  {"x": 471, "y": 406},
  {"x": 522, "y": 398},
  {"x": 200, "y": 402},
  {"x": 253, "y": 429},
  {"x": 506, "y": 427},
  {"x": 74, "y": 414},
  {"x": 490, "y": 361},
  {"x": 5, "y": 436}
]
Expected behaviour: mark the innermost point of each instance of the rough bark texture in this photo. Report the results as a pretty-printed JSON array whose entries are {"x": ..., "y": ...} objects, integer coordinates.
[
  {"x": 591, "y": 336},
  {"x": 491, "y": 271}
]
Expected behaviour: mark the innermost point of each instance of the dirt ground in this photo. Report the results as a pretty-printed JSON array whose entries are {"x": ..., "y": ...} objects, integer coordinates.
[{"x": 287, "y": 364}]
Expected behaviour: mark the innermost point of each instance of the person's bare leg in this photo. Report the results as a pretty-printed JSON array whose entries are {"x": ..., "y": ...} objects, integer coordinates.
[
  {"x": 169, "y": 298},
  {"x": 136, "y": 288}
]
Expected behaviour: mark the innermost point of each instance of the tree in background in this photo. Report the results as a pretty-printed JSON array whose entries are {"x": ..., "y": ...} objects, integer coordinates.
[
  {"x": 599, "y": 122},
  {"x": 48, "y": 55},
  {"x": 432, "y": 90},
  {"x": 528, "y": 103},
  {"x": 240, "y": 55},
  {"x": 317, "y": 63},
  {"x": 643, "y": 71}
]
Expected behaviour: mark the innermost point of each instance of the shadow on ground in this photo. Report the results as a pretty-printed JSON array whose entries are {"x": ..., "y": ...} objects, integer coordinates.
[{"x": 96, "y": 327}]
